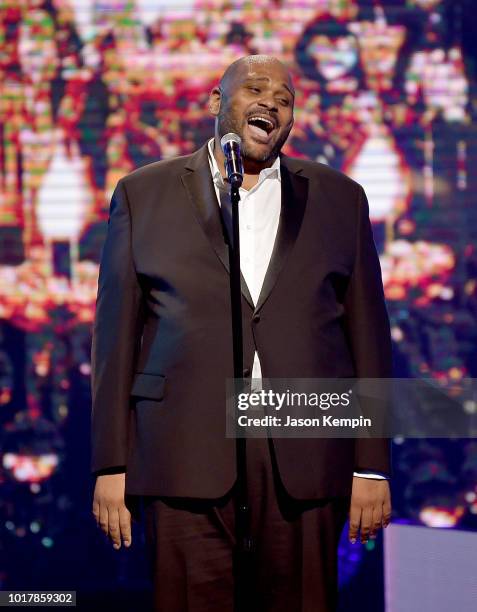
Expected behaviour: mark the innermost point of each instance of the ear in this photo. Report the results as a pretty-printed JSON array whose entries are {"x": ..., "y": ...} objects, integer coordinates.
[{"x": 215, "y": 98}]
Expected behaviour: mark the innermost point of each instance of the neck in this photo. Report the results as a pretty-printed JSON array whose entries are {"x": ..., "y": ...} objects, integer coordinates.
[{"x": 251, "y": 167}]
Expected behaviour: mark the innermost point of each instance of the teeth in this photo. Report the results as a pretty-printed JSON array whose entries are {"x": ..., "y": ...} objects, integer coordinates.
[{"x": 261, "y": 119}]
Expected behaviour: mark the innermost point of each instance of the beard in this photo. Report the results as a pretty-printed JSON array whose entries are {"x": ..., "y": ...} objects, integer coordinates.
[{"x": 227, "y": 123}]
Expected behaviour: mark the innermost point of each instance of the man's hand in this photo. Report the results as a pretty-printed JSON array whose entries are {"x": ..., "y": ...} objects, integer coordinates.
[
  {"x": 370, "y": 508},
  {"x": 110, "y": 510}
]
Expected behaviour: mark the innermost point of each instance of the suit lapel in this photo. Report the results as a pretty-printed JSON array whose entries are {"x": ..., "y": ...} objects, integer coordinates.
[
  {"x": 294, "y": 188},
  {"x": 294, "y": 192},
  {"x": 201, "y": 191}
]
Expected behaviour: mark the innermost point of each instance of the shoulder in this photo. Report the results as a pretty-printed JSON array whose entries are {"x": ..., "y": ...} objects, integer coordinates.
[
  {"x": 156, "y": 171},
  {"x": 329, "y": 177}
]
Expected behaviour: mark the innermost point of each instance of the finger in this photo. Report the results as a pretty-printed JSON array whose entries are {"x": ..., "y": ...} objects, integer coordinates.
[
  {"x": 125, "y": 525},
  {"x": 366, "y": 518},
  {"x": 376, "y": 521},
  {"x": 354, "y": 521},
  {"x": 96, "y": 512},
  {"x": 387, "y": 511},
  {"x": 114, "y": 532},
  {"x": 103, "y": 518}
]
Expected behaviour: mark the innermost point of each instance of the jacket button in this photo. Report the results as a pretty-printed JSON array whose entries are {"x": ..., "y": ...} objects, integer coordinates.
[
  {"x": 246, "y": 372},
  {"x": 256, "y": 318},
  {"x": 248, "y": 544},
  {"x": 243, "y": 508}
]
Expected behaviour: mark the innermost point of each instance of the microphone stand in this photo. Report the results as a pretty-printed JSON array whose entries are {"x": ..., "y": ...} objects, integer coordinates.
[{"x": 242, "y": 563}]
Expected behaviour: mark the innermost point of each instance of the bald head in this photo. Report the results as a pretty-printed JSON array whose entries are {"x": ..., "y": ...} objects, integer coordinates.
[{"x": 250, "y": 64}]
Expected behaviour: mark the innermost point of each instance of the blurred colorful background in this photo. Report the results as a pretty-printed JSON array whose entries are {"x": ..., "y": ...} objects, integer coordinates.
[{"x": 92, "y": 89}]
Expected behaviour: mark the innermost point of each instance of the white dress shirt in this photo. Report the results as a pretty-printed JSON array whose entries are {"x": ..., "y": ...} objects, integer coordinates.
[{"x": 259, "y": 213}]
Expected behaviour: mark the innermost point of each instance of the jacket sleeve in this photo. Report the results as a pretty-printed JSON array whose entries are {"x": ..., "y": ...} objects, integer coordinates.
[
  {"x": 368, "y": 330},
  {"x": 116, "y": 337}
]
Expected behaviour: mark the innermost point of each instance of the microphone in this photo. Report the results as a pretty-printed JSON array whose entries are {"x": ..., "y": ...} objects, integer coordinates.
[{"x": 230, "y": 144}]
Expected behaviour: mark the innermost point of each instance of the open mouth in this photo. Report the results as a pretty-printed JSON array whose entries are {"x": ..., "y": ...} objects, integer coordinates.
[{"x": 261, "y": 127}]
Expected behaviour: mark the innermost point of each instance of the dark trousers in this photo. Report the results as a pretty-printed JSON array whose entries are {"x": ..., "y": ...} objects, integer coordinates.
[{"x": 294, "y": 560}]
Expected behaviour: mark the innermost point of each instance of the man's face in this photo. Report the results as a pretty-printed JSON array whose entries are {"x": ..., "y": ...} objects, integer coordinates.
[
  {"x": 379, "y": 45},
  {"x": 334, "y": 57},
  {"x": 257, "y": 104}
]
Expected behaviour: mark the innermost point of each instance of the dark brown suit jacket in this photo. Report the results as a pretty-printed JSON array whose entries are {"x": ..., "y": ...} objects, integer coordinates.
[{"x": 162, "y": 340}]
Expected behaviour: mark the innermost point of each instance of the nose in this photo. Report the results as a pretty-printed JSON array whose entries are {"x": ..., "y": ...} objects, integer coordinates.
[{"x": 268, "y": 101}]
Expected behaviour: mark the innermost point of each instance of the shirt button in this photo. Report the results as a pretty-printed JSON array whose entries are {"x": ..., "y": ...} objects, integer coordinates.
[{"x": 248, "y": 227}]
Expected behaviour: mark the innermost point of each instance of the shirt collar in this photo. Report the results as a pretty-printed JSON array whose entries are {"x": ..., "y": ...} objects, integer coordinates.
[{"x": 272, "y": 172}]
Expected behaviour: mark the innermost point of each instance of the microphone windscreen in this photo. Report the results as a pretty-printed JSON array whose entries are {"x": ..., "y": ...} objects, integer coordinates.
[{"x": 229, "y": 139}]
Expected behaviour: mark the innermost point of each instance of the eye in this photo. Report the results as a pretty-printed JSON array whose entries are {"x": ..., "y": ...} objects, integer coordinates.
[
  {"x": 254, "y": 89},
  {"x": 284, "y": 102}
]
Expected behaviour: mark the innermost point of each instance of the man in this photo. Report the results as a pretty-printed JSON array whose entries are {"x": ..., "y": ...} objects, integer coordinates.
[{"x": 312, "y": 306}]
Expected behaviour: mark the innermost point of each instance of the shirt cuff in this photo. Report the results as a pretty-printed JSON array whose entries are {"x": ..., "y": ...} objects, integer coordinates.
[{"x": 369, "y": 474}]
